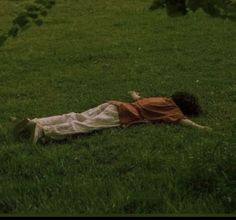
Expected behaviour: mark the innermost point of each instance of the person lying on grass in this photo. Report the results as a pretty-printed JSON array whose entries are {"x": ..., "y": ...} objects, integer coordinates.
[{"x": 172, "y": 110}]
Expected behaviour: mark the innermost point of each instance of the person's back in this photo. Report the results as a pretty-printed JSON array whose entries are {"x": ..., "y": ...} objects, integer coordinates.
[
  {"x": 152, "y": 109},
  {"x": 174, "y": 109}
]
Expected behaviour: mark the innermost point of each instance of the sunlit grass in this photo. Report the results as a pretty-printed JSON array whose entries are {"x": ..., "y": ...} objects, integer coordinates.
[{"x": 88, "y": 52}]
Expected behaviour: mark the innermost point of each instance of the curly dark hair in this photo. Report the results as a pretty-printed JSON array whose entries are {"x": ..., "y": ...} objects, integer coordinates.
[{"x": 187, "y": 102}]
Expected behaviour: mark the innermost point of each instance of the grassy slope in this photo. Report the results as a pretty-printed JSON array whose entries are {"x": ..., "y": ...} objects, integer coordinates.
[{"x": 91, "y": 51}]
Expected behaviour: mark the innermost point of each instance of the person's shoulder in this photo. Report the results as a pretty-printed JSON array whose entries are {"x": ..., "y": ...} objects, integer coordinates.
[
  {"x": 160, "y": 98},
  {"x": 115, "y": 102},
  {"x": 153, "y": 100},
  {"x": 168, "y": 98}
]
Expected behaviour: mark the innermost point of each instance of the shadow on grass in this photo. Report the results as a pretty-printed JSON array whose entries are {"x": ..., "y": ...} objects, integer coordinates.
[{"x": 32, "y": 14}]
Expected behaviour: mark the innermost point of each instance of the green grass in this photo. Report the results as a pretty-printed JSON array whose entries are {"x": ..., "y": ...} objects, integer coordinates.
[{"x": 91, "y": 51}]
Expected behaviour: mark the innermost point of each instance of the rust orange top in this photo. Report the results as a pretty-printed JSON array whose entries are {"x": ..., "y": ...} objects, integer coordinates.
[{"x": 153, "y": 109}]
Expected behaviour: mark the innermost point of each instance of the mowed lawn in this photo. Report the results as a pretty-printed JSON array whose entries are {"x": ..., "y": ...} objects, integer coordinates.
[{"x": 91, "y": 51}]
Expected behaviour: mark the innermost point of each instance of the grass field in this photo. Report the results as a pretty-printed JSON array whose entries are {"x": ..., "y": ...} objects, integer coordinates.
[{"x": 91, "y": 51}]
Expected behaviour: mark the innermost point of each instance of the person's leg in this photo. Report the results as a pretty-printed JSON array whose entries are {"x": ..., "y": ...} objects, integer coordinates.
[
  {"x": 21, "y": 127},
  {"x": 28, "y": 124},
  {"x": 72, "y": 116},
  {"x": 103, "y": 116},
  {"x": 54, "y": 120},
  {"x": 29, "y": 129}
]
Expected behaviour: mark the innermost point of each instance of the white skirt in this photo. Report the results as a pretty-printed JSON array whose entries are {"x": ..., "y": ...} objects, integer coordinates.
[{"x": 58, "y": 127}]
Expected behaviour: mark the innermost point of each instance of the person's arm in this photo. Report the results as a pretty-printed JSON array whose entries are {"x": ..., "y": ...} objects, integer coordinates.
[
  {"x": 188, "y": 122},
  {"x": 135, "y": 95}
]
